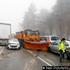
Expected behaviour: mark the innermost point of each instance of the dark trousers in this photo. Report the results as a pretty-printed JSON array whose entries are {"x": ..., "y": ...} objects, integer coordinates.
[
  {"x": 21, "y": 42},
  {"x": 61, "y": 55}
]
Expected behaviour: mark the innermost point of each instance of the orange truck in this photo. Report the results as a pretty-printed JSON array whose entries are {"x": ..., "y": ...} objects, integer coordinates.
[{"x": 32, "y": 40}]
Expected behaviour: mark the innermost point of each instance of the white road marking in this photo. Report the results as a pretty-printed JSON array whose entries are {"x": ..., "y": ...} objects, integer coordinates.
[
  {"x": 1, "y": 50},
  {"x": 44, "y": 61},
  {"x": 30, "y": 51},
  {"x": 40, "y": 58}
]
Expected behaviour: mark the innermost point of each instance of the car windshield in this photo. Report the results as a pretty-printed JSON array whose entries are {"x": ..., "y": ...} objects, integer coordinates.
[
  {"x": 54, "y": 38},
  {"x": 13, "y": 40}
]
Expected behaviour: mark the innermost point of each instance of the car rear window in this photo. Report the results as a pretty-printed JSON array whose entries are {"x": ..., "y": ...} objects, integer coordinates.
[
  {"x": 13, "y": 40},
  {"x": 54, "y": 38}
]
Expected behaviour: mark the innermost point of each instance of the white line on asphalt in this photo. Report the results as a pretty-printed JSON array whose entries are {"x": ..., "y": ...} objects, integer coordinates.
[
  {"x": 40, "y": 58},
  {"x": 44, "y": 61},
  {"x": 30, "y": 51},
  {"x": 50, "y": 61},
  {"x": 1, "y": 50}
]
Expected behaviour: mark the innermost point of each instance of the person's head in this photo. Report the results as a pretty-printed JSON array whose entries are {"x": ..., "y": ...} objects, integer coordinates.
[{"x": 63, "y": 39}]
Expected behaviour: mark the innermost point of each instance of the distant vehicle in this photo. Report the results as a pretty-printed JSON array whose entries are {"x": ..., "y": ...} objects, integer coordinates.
[
  {"x": 54, "y": 48},
  {"x": 13, "y": 44},
  {"x": 5, "y": 31}
]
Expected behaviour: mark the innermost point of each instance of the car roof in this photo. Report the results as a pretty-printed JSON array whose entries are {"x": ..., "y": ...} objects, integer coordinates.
[{"x": 49, "y": 36}]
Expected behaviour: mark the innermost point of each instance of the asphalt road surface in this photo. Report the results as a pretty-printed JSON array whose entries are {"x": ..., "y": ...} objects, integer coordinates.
[
  {"x": 19, "y": 60},
  {"x": 28, "y": 60},
  {"x": 52, "y": 59}
]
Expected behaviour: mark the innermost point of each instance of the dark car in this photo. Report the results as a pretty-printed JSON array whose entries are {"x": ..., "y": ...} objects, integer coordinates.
[{"x": 54, "y": 48}]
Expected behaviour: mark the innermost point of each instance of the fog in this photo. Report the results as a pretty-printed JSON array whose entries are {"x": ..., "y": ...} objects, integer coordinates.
[
  {"x": 13, "y": 11},
  {"x": 56, "y": 22},
  {"x": 50, "y": 17}
]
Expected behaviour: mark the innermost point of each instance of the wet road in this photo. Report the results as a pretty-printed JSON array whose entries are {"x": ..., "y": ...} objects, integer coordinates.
[
  {"x": 51, "y": 58},
  {"x": 28, "y": 60},
  {"x": 19, "y": 60}
]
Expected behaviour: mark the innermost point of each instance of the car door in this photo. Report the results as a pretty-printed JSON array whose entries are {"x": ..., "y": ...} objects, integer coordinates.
[{"x": 54, "y": 47}]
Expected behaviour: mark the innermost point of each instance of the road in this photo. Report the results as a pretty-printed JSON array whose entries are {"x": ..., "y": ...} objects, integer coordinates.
[
  {"x": 19, "y": 60},
  {"x": 51, "y": 58},
  {"x": 28, "y": 60}
]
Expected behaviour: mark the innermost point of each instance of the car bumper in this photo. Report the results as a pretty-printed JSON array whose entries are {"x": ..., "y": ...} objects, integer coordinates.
[{"x": 13, "y": 46}]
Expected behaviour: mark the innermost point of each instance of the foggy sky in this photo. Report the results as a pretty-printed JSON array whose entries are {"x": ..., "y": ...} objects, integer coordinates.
[{"x": 12, "y": 11}]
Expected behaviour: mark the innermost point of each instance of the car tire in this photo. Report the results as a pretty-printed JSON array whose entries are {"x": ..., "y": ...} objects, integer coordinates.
[
  {"x": 8, "y": 48},
  {"x": 19, "y": 48}
]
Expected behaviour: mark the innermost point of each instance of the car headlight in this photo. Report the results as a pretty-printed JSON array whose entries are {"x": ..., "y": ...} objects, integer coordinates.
[{"x": 17, "y": 44}]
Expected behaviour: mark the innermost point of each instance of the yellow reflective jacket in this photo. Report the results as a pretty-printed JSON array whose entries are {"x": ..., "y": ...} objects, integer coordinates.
[{"x": 61, "y": 46}]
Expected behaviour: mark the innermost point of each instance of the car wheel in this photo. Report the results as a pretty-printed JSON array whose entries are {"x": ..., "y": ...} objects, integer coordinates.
[
  {"x": 8, "y": 48},
  {"x": 19, "y": 48}
]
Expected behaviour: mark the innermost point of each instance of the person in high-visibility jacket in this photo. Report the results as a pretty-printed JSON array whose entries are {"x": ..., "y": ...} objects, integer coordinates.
[{"x": 61, "y": 48}]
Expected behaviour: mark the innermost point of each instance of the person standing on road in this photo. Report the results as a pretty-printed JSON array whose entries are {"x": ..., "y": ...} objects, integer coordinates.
[{"x": 61, "y": 47}]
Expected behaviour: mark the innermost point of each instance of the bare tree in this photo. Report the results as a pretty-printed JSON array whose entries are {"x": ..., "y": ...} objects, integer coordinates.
[
  {"x": 42, "y": 21},
  {"x": 29, "y": 18},
  {"x": 62, "y": 13},
  {"x": 57, "y": 22}
]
